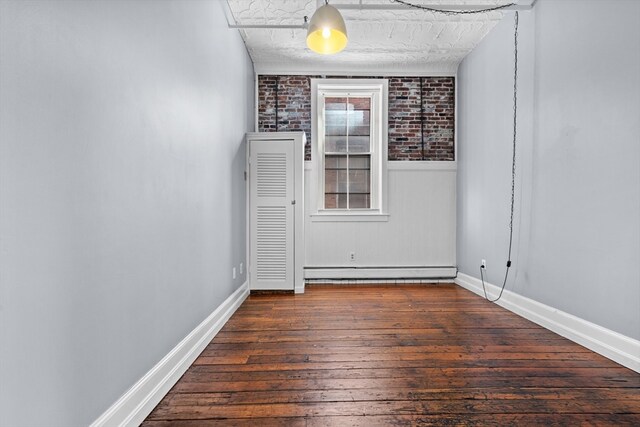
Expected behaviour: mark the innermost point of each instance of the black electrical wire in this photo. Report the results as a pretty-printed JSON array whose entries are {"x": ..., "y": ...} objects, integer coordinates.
[
  {"x": 515, "y": 121},
  {"x": 421, "y": 122},
  {"x": 513, "y": 163},
  {"x": 454, "y": 12},
  {"x": 276, "y": 86}
]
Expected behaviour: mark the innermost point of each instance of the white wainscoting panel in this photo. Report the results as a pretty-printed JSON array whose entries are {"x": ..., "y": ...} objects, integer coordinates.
[{"x": 419, "y": 232}]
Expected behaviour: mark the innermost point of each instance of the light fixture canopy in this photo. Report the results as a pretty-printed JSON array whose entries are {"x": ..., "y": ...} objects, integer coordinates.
[{"x": 327, "y": 33}]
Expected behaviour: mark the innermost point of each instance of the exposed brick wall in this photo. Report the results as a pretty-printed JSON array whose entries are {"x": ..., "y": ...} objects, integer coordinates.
[
  {"x": 406, "y": 137},
  {"x": 404, "y": 119},
  {"x": 438, "y": 96},
  {"x": 293, "y": 105},
  {"x": 267, "y": 104}
]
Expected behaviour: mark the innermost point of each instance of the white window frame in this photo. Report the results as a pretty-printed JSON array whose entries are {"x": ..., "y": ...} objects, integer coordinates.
[{"x": 378, "y": 90}]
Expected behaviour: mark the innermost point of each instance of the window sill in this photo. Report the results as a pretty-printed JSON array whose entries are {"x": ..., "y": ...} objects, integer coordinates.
[{"x": 373, "y": 216}]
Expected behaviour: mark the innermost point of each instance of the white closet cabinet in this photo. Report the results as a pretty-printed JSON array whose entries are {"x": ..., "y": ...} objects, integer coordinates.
[{"x": 275, "y": 204}]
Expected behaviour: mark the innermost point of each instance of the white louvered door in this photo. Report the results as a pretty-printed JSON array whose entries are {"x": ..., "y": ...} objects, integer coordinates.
[{"x": 272, "y": 203}]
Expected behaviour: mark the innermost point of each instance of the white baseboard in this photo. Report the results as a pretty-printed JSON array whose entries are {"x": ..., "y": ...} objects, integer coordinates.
[
  {"x": 350, "y": 282},
  {"x": 379, "y": 273},
  {"x": 617, "y": 347},
  {"x": 138, "y": 402}
]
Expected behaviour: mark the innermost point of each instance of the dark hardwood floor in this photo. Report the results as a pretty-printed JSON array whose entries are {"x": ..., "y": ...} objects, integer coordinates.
[{"x": 394, "y": 355}]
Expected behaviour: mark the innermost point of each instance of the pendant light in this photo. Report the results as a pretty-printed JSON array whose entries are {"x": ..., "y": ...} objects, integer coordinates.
[{"x": 327, "y": 33}]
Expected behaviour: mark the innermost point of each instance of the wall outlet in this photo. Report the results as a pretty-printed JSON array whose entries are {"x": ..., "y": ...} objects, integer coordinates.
[
  {"x": 484, "y": 264},
  {"x": 352, "y": 256},
  {"x": 234, "y": 272},
  {"x": 241, "y": 268}
]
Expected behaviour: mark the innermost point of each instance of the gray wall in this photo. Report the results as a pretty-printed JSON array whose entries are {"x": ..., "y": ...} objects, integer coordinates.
[
  {"x": 122, "y": 194},
  {"x": 577, "y": 240}
]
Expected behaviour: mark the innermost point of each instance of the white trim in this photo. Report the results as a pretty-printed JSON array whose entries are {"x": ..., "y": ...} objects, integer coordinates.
[
  {"x": 422, "y": 165},
  {"x": 276, "y": 136},
  {"x": 613, "y": 345},
  {"x": 455, "y": 115},
  {"x": 378, "y": 90},
  {"x": 247, "y": 213},
  {"x": 256, "y": 102},
  {"x": 299, "y": 221},
  {"x": 375, "y": 281},
  {"x": 350, "y": 216},
  {"x": 298, "y": 139},
  {"x": 379, "y": 273},
  {"x": 331, "y": 69},
  {"x": 138, "y": 402},
  {"x": 402, "y": 165}
]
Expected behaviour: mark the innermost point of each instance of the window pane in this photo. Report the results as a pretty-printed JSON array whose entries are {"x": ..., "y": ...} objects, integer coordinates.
[
  {"x": 359, "y": 103},
  {"x": 359, "y": 181},
  {"x": 359, "y": 144},
  {"x": 334, "y": 162},
  {"x": 347, "y": 130},
  {"x": 330, "y": 201},
  {"x": 360, "y": 162},
  {"x": 335, "y": 144},
  {"x": 334, "y": 103},
  {"x": 335, "y": 116},
  {"x": 333, "y": 127},
  {"x": 336, "y": 124},
  {"x": 335, "y": 201},
  {"x": 359, "y": 130},
  {"x": 335, "y": 181},
  {"x": 359, "y": 117},
  {"x": 359, "y": 201}
]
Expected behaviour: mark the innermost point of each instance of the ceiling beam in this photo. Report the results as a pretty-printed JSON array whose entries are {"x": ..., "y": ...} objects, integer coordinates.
[
  {"x": 272, "y": 27},
  {"x": 527, "y": 5},
  {"x": 445, "y": 7}
]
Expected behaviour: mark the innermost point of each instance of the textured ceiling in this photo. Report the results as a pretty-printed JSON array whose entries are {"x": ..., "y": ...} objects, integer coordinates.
[{"x": 397, "y": 40}]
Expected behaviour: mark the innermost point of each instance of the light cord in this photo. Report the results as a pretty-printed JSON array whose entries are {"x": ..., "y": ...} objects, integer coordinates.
[
  {"x": 515, "y": 120},
  {"x": 513, "y": 163},
  {"x": 454, "y": 12}
]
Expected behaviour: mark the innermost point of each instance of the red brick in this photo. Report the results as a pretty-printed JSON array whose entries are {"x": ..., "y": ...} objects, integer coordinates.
[{"x": 405, "y": 120}]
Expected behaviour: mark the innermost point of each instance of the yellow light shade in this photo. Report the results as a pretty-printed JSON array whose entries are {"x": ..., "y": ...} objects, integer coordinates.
[{"x": 327, "y": 33}]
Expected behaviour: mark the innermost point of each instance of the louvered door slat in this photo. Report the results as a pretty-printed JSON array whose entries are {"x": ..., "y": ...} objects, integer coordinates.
[
  {"x": 271, "y": 170},
  {"x": 271, "y": 248},
  {"x": 271, "y": 189}
]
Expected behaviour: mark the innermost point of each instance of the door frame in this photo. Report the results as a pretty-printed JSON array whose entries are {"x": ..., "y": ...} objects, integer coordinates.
[{"x": 298, "y": 139}]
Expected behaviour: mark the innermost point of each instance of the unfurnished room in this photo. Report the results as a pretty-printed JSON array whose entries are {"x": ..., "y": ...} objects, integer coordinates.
[{"x": 319, "y": 213}]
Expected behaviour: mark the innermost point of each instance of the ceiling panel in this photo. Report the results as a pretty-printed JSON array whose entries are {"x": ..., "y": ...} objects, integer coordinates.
[{"x": 386, "y": 41}]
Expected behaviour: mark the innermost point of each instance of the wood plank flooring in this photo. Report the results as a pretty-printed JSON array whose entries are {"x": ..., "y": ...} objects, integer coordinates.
[{"x": 394, "y": 355}]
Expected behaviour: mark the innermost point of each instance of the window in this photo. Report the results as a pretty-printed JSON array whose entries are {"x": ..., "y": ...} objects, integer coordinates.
[
  {"x": 347, "y": 152},
  {"x": 349, "y": 145}
]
